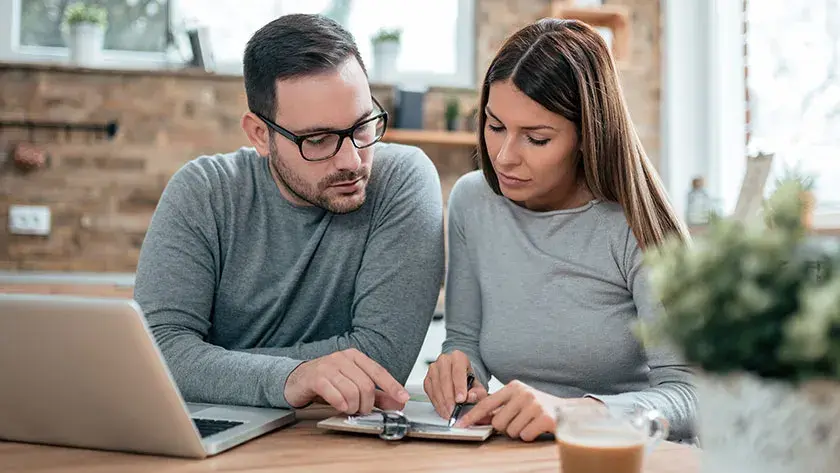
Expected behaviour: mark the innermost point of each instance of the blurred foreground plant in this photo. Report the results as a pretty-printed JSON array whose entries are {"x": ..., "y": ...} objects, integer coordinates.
[{"x": 756, "y": 297}]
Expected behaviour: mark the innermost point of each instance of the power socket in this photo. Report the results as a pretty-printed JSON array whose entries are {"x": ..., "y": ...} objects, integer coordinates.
[{"x": 29, "y": 220}]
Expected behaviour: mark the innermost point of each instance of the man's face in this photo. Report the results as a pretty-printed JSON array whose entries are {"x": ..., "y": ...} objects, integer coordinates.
[{"x": 334, "y": 100}]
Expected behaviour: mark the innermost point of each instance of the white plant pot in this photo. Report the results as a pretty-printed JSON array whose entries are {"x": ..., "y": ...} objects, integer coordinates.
[
  {"x": 85, "y": 43},
  {"x": 751, "y": 425},
  {"x": 385, "y": 55}
]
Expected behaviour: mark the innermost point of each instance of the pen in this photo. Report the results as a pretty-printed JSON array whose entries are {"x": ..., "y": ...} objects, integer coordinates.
[{"x": 459, "y": 406}]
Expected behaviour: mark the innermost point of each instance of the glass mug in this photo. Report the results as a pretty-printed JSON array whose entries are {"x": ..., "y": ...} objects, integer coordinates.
[{"x": 597, "y": 440}]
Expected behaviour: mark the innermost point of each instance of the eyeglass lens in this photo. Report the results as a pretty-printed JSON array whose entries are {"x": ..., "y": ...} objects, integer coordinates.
[{"x": 326, "y": 145}]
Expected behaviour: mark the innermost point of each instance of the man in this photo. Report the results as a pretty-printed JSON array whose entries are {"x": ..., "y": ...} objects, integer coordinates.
[{"x": 306, "y": 268}]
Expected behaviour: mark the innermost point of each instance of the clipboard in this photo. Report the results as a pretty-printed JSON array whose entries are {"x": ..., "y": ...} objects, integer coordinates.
[{"x": 417, "y": 420}]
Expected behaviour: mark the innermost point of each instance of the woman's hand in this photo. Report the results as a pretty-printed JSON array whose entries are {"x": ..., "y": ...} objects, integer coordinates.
[
  {"x": 446, "y": 383},
  {"x": 518, "y": 410}
]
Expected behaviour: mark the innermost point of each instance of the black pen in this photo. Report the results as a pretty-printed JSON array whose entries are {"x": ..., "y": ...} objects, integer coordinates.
[{"x": 459, "y": 406}]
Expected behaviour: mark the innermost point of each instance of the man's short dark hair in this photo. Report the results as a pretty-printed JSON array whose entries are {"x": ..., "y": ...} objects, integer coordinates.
[{"x": 292, "y": 46}]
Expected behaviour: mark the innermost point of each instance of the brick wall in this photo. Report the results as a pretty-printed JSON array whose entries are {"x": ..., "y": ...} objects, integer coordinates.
[{"x": 102, "y": 194}]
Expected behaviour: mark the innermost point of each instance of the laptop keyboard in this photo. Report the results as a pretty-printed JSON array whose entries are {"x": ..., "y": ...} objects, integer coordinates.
[{"x": 208, "y": 427}]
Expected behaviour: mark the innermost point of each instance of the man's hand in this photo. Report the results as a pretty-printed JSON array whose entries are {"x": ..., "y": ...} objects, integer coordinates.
[{"x": 346, "y": 380}]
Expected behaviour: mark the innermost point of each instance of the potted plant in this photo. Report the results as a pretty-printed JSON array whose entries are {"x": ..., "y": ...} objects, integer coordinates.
[
  {"x": 809, "y": 200},
  {"x": 87, "y": 24},
  {"x": 755, "y": 306},
  {"x": 451, "y": 113},
  {"x": 386, "y": 50}
]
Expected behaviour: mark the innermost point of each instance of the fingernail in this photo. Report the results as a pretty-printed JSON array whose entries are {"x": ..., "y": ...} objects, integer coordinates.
[
  {"x": 472, "y": 397},
  {"x": 459, "y": 424},
  {"x": 404, "y": 396},
  {"x": 460, "y": 397}
]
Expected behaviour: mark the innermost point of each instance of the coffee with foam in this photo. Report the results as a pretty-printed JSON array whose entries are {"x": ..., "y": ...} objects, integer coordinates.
[{"x": 601, "y": 450}]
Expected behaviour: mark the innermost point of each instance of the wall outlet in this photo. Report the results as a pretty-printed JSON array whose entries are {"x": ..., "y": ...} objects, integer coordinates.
[{"x": 29, "y": 220}]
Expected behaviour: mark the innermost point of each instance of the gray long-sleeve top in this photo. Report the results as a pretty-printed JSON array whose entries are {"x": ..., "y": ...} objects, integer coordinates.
[
  {"x": 240, "y": 286},
  {"x": 549, "y": 299}
]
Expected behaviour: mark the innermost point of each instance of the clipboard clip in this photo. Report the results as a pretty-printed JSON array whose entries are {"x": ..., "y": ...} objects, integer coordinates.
[{"x": 396, "y": 426}]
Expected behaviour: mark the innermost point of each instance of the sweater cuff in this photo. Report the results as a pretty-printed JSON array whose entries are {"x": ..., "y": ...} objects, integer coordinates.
[
  {"x": 275, "y": 385},
  {"x": 623, "y": 402}
]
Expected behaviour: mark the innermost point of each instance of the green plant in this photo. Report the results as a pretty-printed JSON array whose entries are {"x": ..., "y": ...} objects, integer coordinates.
[
  {"x": 83, "y": 13},
  {"x": 795, "y": 173},
  {"x": 757, "y": 296},
  {"x": 453, "y": 109},
  {"x": 385, "y": 35}
]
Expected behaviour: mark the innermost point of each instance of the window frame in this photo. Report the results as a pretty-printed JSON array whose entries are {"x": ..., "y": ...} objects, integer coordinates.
[
  {"x": 11, "y": 50},
  {"x": 703, "y": 107}
]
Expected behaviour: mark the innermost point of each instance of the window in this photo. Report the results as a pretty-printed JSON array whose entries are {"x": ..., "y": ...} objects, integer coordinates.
[
  {"x": 442, "y": 55},
  {"x": 793, "y": 54},
  {"x": 32, "y": 31},
  {"x": 139, "y": 30},
  {"x": 133, "y": 25}
]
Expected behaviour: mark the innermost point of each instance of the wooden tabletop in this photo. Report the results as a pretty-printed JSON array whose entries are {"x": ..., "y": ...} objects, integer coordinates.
[{"x": 302, "y": 447}]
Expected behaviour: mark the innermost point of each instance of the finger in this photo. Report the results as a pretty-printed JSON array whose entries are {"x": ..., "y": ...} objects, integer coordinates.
[
  {"x": 349, "y": 391},
  {"x": 383, "y": 401},
  {"x": 381, "y": 377},
  {"x": 460, "y": 368},
  {"x": 363, "y": 383},
  {"x": 477, "y": 393},
  {"x": 446, "y": 386},
  {"x": 427, "y": 385},
  {"x": 525, "y": 417},
  {"x": 330, "y": 394},
  {"x": 514, "y": 406},
  {"x": 542, "y": 424},
  {"x": 441, "y": 407},
  {"x": 485, "y": 407},
  {"x": 430, "y": 385}
]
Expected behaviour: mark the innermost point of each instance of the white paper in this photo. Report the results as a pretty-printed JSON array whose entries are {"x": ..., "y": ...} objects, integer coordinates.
[{"x": 414, "y": 411}]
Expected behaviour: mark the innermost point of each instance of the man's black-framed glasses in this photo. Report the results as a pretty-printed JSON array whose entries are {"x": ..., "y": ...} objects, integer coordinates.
[{"x": 322, "y": 145}]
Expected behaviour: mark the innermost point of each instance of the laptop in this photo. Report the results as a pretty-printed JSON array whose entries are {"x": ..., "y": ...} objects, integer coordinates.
[{"x": 86, "y": 372}]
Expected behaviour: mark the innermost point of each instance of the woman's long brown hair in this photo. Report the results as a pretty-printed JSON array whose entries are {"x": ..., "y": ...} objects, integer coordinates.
[{"x": 565, "y": 66}]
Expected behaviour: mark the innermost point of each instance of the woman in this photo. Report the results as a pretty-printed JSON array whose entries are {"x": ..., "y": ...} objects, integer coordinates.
[{"x": 545, "y": 277}]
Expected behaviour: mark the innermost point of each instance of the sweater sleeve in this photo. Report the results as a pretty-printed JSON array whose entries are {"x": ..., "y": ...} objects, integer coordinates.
[
  {"x": 462, "y": 308},
  {"x": 672, "y": 391},
  {"x": 175, "y": 286},
  {"x": 398, "y": 284}
]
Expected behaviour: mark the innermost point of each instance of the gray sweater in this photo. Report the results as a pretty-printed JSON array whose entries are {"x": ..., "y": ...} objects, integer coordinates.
[
  {"x": 239, "y": 285},
  {"x": 549, "y": 298}
]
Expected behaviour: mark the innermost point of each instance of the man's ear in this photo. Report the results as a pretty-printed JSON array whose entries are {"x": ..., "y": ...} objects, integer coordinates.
[{"x": 257, "y": 132}]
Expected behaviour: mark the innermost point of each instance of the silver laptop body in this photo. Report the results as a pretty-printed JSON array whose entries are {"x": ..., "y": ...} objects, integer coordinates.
[{"x": 86, "y": 372}]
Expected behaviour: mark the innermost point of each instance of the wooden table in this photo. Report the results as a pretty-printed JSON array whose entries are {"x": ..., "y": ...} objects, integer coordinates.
[{"x": 301, "y": 447}]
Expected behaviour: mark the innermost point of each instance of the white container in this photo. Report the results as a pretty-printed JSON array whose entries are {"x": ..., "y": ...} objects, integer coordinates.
[
  {"x": 385, "y": 55},
  {"x": 748, "y": 424},
  {"x": 85, "y": 43}
]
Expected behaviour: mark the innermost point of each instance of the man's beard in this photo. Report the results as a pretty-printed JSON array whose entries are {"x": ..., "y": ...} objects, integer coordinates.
[{"x": 316, "y": 195}]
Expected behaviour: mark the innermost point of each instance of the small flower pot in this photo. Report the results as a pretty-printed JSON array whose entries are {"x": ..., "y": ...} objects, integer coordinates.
[
  {"x": 452, "y": 124},
  {"x": 86, "y": 43},
  {"x": 385, "y": 55}
]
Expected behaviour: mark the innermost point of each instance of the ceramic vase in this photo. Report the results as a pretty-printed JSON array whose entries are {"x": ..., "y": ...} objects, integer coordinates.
[
  {"x": 385, "y": 55},
  {"x": 85, "y": 43},
  {"x": 747, "y": 424}
]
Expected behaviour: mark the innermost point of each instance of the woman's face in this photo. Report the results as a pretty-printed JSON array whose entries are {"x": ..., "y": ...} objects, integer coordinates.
[{"x": 532, "y": 149}]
